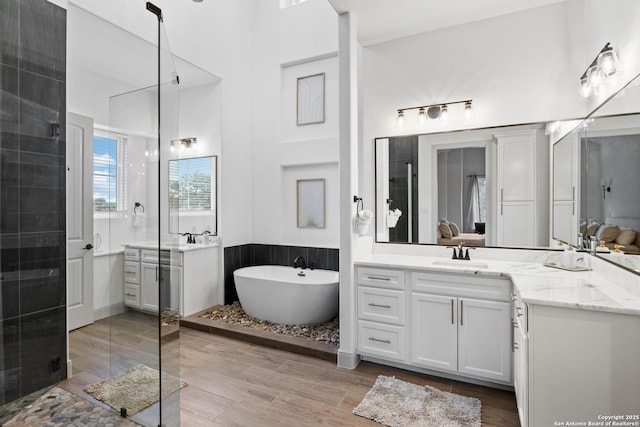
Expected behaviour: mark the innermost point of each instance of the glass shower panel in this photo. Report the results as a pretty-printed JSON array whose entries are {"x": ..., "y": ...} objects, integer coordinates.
[
  {"x": 144, "y": 339},
  {"x": 135, "y": 334},
  {"x": 171, "y": 273}
]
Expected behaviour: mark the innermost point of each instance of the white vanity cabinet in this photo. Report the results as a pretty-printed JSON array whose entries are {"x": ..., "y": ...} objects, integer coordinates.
[
  {"x": 381, "y": 313},
  {"x": 132, "y": 277},
  {"x": 453, "y": 323},
  {"x": 462, "y": 325},
  {"x": 580, "y": 365},
  {"x": 186, "y": 277}
]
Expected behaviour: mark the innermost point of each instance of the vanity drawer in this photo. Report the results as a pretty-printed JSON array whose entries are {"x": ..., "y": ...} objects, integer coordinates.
[
  {"x": 131, "y": 254},
  {"x": 132, "y": 272},
  {"x": 381, "y": 277},
  {"x": 381, "y": 305},
  {"x": 494, "y": 289},
  {"x": 131, "y": 295},
  {"x": 377, "y": 339}
]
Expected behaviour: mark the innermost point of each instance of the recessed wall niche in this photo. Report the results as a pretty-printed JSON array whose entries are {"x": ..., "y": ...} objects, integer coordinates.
[{"x": 289, "y": 117}]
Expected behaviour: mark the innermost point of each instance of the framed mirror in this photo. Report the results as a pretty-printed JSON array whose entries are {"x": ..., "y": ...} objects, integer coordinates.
[
  {"x": 311, "y": 203},
  {"x": 444, "y": 188},
  {"x": 598, "y": 160},
  {"x": 193, "y": 195}
]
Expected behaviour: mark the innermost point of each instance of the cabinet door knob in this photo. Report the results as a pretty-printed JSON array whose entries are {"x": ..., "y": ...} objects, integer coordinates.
[{"x": 88, "y": 247}]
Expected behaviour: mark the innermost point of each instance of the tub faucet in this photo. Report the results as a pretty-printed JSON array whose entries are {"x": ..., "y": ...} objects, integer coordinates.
[{"x": 299, "y": 262}]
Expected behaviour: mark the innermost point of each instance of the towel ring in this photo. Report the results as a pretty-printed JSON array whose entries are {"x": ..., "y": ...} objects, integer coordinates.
[
  {"x": 136, "y": 206},
  {"x": 359, "y": 203}
]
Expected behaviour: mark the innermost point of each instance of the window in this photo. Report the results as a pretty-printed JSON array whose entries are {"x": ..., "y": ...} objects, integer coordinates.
[
  {"x": 109, "y": 173},
  {"x": 190, "y": 188}
]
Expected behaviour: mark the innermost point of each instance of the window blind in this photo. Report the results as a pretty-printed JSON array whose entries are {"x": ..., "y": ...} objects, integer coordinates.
[{"x": 190, "y": 184}]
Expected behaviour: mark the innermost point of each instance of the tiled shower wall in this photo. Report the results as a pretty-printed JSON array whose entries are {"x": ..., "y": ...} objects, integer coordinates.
[
  {"x": 32, "y": 196},
  {"x": 255, "y": 254}
]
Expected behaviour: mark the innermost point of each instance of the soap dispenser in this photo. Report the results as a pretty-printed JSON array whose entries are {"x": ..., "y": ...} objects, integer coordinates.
[{"x": 569, "y": 257}]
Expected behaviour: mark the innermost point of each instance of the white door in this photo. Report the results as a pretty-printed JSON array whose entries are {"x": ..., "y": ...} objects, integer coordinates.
[
  {"x": 435, "y": 339},
  {"x": 79, "y": 221},
  {"x": 516, "y": 191},
  {"x": 484, "y": 339}
]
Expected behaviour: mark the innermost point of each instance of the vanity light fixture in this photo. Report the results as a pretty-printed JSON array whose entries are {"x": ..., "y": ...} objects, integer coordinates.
[
  {"x": 434, "y": 112},
  {"x": 185, "y": 143},
  {"x": 604, "y": 67}
]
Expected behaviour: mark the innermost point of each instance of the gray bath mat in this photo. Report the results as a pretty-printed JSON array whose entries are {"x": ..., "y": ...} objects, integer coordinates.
[
  {"x": 396, "y": 403},
  {"x": 134, "y": 389}
]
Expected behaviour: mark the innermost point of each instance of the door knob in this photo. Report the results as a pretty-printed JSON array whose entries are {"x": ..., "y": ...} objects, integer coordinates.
[{"x": 88, "y": 247}]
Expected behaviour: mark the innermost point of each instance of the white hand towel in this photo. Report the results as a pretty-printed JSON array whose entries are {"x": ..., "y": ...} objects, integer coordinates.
[
  {"x": 392, "y": 217},
  {"x": 138, "y": 219}
]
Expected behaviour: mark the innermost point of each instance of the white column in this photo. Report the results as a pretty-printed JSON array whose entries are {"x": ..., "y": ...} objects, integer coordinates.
[{"x": 348, "y": 104}]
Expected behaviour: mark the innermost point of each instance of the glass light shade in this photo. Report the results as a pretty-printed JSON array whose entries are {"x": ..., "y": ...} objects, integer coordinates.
[
  {"x": 422, "y": 116},
  {"x": 400, "y": 120},
  {"x": 468, "y": 110},
  {"x": 444, "y": 113},
  {"x": 585, "y": 87},
  {"x": 608, "y": 63},
  {"x": 595, "y": 77}
]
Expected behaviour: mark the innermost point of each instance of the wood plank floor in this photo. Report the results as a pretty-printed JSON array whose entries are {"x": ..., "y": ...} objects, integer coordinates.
[{"x": 234, "y": 383}]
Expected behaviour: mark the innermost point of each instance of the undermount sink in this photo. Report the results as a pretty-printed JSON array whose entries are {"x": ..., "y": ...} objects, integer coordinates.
[{"x": 461, "y": 263}]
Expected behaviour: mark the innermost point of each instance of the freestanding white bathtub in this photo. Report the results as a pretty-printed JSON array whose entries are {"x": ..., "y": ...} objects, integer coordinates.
[{"x": 280, "y": 294}]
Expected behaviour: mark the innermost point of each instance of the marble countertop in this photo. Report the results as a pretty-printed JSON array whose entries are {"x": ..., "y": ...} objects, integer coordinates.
[
  {"x": 536, "y": 283},
  {"x": 170, "y": 246}
]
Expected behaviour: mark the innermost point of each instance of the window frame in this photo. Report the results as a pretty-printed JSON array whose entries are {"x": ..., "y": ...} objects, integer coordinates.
[{"x": 121, "y": 174}]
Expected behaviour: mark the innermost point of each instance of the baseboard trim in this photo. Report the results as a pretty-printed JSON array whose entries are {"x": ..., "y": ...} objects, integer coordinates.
[
  {"x": 108, "y": 311},
  {"x": 348, "y": 360},
  {"x": 449, "y": 376}
]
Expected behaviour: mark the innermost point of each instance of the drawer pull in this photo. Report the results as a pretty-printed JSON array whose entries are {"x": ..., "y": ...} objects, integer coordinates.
[
  {"x": 131, "y": 295},
  {"x": 379, "y": 305},
  {"x": 379, "y": 340},
  {"x": 130, "y": 272},
  {"x": 386, "y": 279}
]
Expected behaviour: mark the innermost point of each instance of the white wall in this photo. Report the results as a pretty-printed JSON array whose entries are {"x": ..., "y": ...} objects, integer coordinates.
[
  {"x": 518, "y": 68},
  {"x": 218, "y": 40},
  {"x": 287, "y": 44}
]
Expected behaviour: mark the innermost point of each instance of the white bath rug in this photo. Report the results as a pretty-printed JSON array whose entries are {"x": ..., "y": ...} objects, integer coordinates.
[{"x": 396, "y": 403}]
